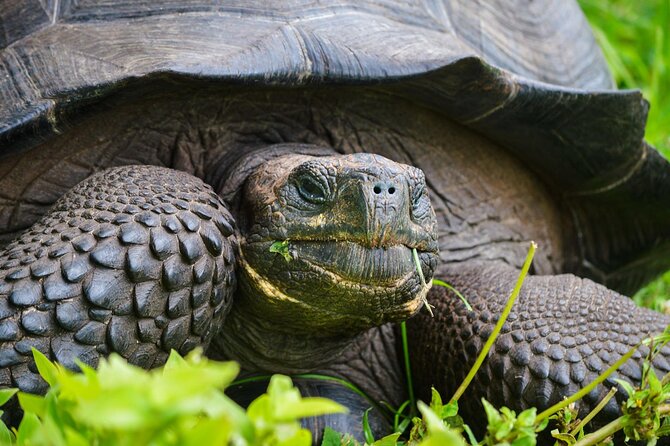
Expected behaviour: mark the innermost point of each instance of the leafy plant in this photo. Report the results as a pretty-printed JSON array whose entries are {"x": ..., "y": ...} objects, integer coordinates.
[
  {"x": 505, "y": 427},
  {"x": 447, "y": 414},
  {"x": 274, "y": 415},
  {"x": 282, "y": 247},
  {"x": 437, "y": 432},
  {"x": 333, "y": 438},
  {"x": 180, "y": 404},
  {"x": 641, "y": 416}
]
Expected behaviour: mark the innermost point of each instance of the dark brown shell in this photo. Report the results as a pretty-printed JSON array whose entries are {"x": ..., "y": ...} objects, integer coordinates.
[{"x": 527, "y": 74}]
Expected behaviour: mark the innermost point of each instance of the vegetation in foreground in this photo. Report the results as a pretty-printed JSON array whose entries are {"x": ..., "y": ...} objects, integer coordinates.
[{"x": 184, "y": 403}]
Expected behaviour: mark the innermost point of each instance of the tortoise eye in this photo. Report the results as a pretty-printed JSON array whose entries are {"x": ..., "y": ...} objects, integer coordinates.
[{"x": 310, "y": 190}]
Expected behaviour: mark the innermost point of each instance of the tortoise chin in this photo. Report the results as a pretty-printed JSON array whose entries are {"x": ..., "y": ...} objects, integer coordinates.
[{"x": 366, "y": 286}]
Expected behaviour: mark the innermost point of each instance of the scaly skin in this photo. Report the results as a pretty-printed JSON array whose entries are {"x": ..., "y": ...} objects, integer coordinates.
[
  {"x": 562, "y": 333},
  {"x": 135, "y": 260}
]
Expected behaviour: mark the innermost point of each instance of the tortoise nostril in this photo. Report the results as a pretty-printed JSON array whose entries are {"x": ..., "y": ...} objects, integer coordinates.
[{"x": 381, "y": 188}]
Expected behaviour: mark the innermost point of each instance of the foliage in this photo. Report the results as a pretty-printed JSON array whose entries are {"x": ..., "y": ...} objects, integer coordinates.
[
  {"x": 635, "y": 40},
  {"x": 180, "y": 404},
  {"x": 641, "y": 417},
  {"x": 282, "y": 247},
  {"x": 656, "y": 294},
  {"x": 183, "y": 403},
  {"x": 646, "y": 416},
  {"x": 505, "y": 427},
  {"x": 438, "y": 433}
]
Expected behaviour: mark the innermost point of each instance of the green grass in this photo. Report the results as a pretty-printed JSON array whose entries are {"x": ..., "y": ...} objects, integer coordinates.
[{"x": 635, "y": 38}]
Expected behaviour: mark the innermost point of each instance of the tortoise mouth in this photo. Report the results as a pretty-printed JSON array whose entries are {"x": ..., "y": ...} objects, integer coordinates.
[
  {"x": 334, "y": 285},
  {"x": 350, "y": 261}
]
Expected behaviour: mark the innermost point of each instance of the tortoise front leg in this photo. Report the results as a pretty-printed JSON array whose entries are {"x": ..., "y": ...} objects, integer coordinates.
[
  {"x": 136, "y": 260},
  {"x": 562, "y": 333}
]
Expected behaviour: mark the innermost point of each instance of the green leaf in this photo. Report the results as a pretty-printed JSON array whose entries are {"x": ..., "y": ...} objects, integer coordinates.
[
  {"x": 568, "y": 439},
  {"x": 492, "y": 415},
  {"x": 331, "y": 437},
  {"x": 525, "y": 441},
  {"x": 6, "y": 394},
  {"x": 216, "y": 431},
  {"x": 286, "y": 404},
  {"x": 6, "y": 435},
  {"x": 310, "y": 407},
  {"x": 542, "y": 425},
  {"x": 435, "y": 401},
  {"x": 527, "y": 417},
  {"x": 654, "y": 382},
  {"x": 74, "y": 438},
  {"x": 52, "y": 431},
  {"x": 174, "y": 361},
  {"x": 282, "y": 247},
  {"x": 32, "y": 403},
  {"x": 28, "y": 431},
  {"x": 46, "y": 368},
  {"x": 450, "y": 410},
  {"x": 448, "y": 438},
  {"x": 433, "y": 421},
  {"x": 389, "y": 440},
  {"x": 438, "y": 433},
  {"x": 182, "y": 403},
  {"x": 302, "y": 437}
]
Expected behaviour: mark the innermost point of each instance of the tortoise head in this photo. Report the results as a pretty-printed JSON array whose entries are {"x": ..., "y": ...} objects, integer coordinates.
[{"x": 327, "y": 243}]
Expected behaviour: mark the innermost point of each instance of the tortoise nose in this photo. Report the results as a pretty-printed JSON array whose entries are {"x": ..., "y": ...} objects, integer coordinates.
[
  {"x": 385, "y": 211},
  {"x": 386, "y": 197},
  {"x": 384, "y": 188}
]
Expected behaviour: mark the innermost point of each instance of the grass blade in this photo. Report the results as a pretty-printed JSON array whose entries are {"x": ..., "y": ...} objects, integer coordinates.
[
  {"x": 408, "y": 369},
  {"x": 444, "y": 284},
  {"x": 501, "y": 321},
  {"x": 415, "y": 257},
  {"x": 594, "y": 412}
]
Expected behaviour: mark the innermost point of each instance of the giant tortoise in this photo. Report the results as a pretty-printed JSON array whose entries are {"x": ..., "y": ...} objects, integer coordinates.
[{"x": 252, "y": 177}]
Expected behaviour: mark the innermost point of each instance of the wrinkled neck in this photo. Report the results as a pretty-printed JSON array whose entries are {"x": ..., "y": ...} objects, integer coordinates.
[{"x": 262, "y": 345}]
